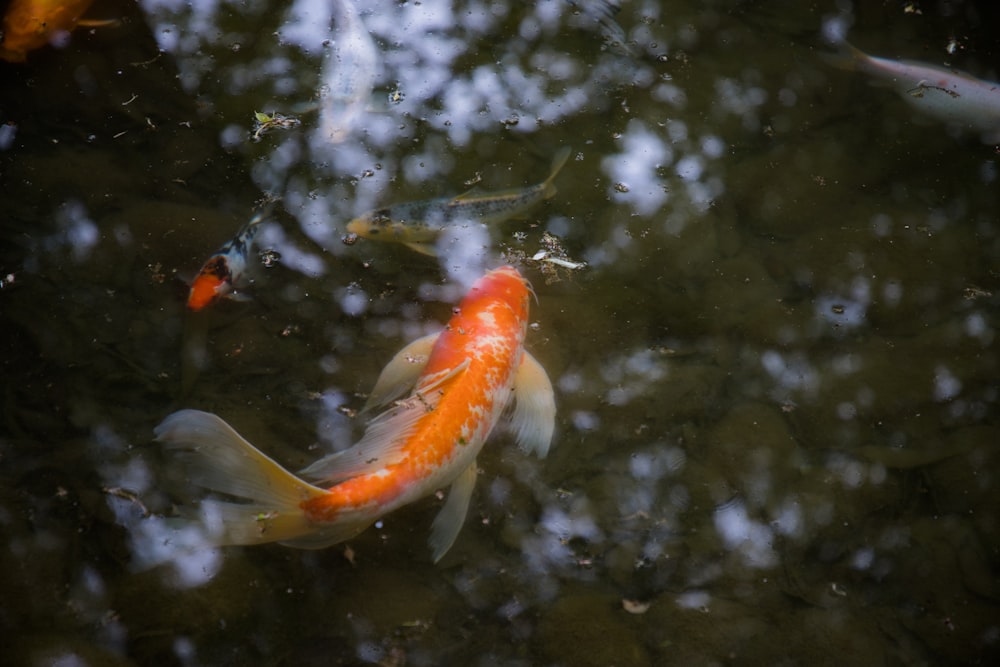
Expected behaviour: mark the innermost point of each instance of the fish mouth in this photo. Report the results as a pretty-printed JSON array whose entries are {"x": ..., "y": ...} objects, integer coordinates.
[{"x": 358, "y": 228}]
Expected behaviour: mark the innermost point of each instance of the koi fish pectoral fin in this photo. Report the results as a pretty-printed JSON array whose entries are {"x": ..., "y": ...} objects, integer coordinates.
[
  {"x": 401, "y": 373},
  {"x": 533, "y": 419},
  {"x": 217, "y": 459},
  {"x": 448, "y": 523},
  {"x": 423, "y": 248},
  {"x": 99, "y": 23}
]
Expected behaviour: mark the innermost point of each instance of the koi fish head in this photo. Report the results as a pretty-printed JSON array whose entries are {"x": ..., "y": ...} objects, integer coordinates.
[
  {"x": 386, "y": 225},
  {"x": 505, "y": 284},
  {"x": 214, "y": 280},
  {"x": 374, "y": 225}
]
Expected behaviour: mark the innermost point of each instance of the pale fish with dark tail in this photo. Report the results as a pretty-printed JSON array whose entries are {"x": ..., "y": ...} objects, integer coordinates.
[{"x": 948, "y": 95}]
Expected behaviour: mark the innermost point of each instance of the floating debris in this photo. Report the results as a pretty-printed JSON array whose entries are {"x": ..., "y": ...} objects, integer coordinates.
[
  {"x": 269, "y": 258},
  {"x": 264, "y": 124},
  {"x": 635, "y": 606}
]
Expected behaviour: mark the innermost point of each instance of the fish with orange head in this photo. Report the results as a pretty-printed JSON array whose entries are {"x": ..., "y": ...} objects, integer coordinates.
[
  {"x": 32, "y": 24},
  {"x": 452, "y": 389},
  {"x": 224, "y": 273}
]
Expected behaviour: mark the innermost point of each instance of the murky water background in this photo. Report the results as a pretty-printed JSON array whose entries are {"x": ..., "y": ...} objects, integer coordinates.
[{"x": 776, "y": 377}]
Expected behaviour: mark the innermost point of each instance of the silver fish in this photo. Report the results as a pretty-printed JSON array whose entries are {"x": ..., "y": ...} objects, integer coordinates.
[{"x": 948, "y": 95}]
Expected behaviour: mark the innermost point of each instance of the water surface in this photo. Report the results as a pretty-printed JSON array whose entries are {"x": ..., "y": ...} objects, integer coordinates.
[{"x": 776, "y": 375}]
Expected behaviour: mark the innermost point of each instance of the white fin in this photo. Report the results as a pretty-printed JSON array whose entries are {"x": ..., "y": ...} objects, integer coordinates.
[
  {"x": 534, "y": 418},
  {"x": 448, "y": 523},
  {"x": 329, "y": 534},
  {"x": 385, "y": 437},
  {"x": 214, "y": 457},
  {"x": 380, "y": 446},
  {"x": 238, "y": 296},
  {"x": 401, "y": 373}
]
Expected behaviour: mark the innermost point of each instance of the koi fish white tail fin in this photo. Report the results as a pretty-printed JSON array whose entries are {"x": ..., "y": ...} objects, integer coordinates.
[{"x": 266, "y": 497}]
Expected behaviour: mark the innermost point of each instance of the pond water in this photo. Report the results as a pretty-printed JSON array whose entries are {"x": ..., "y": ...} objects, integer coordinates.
[{"x": 772, "y": 333}]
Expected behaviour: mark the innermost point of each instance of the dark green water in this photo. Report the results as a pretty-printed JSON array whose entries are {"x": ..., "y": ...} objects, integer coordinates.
[{"x": 776, "y": 377}]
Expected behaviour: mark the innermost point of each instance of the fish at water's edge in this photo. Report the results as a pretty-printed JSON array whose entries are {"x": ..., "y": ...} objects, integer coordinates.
[
  {"x": 948, "y": 95},
  {"x": 463, "y": 380},
  {"x": 418, "y": 225},
  {"x": 224, "y": 272}
]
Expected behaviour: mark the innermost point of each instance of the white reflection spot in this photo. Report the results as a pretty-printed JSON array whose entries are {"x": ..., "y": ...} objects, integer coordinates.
[
  {"x": 789, "y": 518},
  {"x": 712, "y": 147},
  {"x": 353, "y": 302},
  {"x": 79, "y": 231},
  {"x": 370, "y": 652},
  {"x": 693, "y": 600},
  {"x": 946, "y": 385},
  {"x": 690, "y": 167},
  {"x": 464, "y": 252},
  {"x": 846, "y": 411},
  {"x": 7, "y": 133},
  {"x": 863, "y": 558},
  {"x": 892, "y": 293},
  {"x": 881, "y": 224},
  {"x": 643, "y": 152},
  {"x": 976, "y": 327},
  {"x": 585, "y": 421},
  {"x": 787, "y": 97},
  {"x": 739, "y": 532}
]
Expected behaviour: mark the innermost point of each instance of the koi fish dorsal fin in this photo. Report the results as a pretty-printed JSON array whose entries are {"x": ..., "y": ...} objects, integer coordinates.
[
  {"x": 384, "y": 439},
  {"x": 381, "y": 445},
  {"x": 401, "y": 373},
  {"x": 216, "y": 458},
  {"x": 448, "y": 523},
  {"x": 533, "y": 420},
  {"x": 433, "y": 382}
]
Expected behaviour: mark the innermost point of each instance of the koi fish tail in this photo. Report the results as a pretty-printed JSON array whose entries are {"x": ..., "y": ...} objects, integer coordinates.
[
  {"x": 846, "y": 57},
  {"x": 558, "y": 162},
  {"x": 262, "y": 499}
]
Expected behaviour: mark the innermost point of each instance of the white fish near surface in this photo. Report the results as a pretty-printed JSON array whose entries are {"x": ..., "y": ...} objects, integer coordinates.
[
  {"x": 948, "y": 95},
  {"x": 348, "y": 74}
]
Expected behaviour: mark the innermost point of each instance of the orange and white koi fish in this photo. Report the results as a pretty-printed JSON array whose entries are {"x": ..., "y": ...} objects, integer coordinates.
[
  {"x": 224, "y": 271},
  {"x": 951, "y": 96},
  {"x": 31, "y": 24},
  {"x": 463, "y": 379}
]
